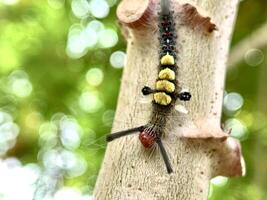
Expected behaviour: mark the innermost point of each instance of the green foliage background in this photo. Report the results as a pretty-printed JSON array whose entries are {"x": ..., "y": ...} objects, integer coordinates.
[{"x": 33, "y": 38}]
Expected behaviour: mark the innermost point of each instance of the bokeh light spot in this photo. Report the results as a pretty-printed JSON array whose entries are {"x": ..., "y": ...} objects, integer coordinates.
[
  {"x": 8, "y": 133},
  {"x": 80, "y": 8},
  {"x": 22, "y": 87},
  {"x": 33, "y": 120},
  {"x": 90, "y": 102},
  {"x": 51, "y": 159},
  {"x": 238, "y": 129},
  {"x": 89, "y": 36},
  {"x": 117, "y": 59},
  {"x": 99, "y": 8},
  {"x": 78, "y": 168},
  {"x": 254, "y": 57},
  {"x": 232, "y": 102},
  {"x": 94, "y": 76},
  {"x": 219, "y": 181},
  {"x": 76, "y": 47},
  {"x": 108, "y": 38},
  {"x": 70, "y": 133},
  {"x": 95, "y": 25},
  {"x": 19, "y": 84},
  {"x": 67, "y": 159}
]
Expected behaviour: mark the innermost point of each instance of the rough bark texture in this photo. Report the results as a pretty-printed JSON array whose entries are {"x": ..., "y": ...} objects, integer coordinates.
[{"x": 198, "y": 148}]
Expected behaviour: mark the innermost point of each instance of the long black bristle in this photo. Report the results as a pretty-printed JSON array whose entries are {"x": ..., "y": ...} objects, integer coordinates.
[
  {"x": 114, "y": 136},
  {"x": 164, "y": 156}
]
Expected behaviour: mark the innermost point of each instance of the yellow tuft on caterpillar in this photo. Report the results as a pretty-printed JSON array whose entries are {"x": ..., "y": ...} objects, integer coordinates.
[{"x": 162, "y": 98}]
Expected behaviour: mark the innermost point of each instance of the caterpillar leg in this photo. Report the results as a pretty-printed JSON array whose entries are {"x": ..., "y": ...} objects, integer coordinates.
[
  {"x": 164, "y": 156},
  {"x": 147, "y": 90},
  {"x": 114, "y": 136}
]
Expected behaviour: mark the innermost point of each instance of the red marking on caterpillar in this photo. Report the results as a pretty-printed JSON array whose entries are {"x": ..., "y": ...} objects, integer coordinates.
[{"x": 147, "y": 139}]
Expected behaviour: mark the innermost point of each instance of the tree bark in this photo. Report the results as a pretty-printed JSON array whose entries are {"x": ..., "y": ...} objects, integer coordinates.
[{"x": 198, "y": 148}]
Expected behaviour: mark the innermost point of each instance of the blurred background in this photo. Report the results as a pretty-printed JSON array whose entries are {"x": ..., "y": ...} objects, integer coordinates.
[{"x": 60, "y": 69}]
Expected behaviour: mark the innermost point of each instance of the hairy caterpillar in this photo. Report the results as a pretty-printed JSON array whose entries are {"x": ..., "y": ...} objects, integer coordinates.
[{"x": 166, "y": 90}]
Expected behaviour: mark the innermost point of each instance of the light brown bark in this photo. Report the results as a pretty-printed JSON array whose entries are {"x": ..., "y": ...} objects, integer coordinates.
[{"x": 198, "y": 148}]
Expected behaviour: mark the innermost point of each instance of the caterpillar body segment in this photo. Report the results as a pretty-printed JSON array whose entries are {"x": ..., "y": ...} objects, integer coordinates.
[
  {"x": 162, "y": 98},
  {"x": 167, "y": 74},
  {"x": 167, "y": 60},
  {"x": 165, "y": 85}
]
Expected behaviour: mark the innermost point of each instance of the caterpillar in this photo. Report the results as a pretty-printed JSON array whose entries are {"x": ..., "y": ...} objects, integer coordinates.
[{"x": 166, "y": 90}]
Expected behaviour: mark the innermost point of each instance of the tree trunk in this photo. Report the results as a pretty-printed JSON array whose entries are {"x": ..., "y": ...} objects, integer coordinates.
[{"x": 198, "y": 148}]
